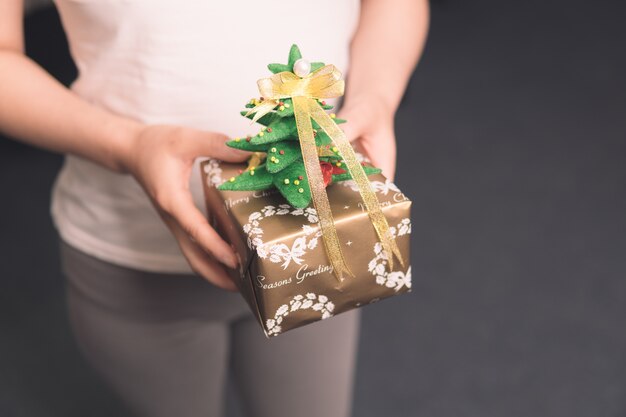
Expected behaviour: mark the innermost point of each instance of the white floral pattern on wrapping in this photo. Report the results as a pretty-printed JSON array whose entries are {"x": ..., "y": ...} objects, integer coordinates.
[
  {"x": 319, "y": 303},
  {"x": 378, "y": 265},
  {"x": 280, "y": 252},
  {"x": 214, "y": 172},
  {"x": 378, "y": 186}
]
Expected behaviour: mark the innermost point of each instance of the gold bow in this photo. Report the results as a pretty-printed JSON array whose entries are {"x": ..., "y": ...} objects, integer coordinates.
[{"x": 304, "y": 92}]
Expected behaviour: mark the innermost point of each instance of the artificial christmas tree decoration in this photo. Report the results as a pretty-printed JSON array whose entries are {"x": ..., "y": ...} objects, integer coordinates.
[
  {"x": 278, "y": 138},
  {"x": 304, "y": 184}
]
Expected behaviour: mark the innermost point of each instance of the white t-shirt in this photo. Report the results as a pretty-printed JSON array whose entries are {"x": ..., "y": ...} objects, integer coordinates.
[{"x": 193, "y": 63}]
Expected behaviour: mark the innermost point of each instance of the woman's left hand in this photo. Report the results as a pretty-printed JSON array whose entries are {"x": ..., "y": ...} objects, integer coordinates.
[{"x": 370, "y": 126}]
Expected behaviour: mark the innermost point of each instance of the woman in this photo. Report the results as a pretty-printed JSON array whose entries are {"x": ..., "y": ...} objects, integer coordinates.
[{"x": 159, "y": 86}]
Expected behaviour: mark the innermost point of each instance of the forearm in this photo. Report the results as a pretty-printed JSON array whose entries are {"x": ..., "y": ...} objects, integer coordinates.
[
  {"x": 385, "y": 49},
  {"x": 38, "y": 110}
]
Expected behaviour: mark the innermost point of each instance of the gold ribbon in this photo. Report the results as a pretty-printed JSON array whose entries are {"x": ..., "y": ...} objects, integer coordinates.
[
  {"x": 255, "y": 160},
  {"x": 304, "y": 92}
]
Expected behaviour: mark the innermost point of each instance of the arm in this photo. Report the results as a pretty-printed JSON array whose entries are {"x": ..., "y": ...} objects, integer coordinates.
[
  {"x": 36, "y": 109},
  {"x": 385, "y": 49}
]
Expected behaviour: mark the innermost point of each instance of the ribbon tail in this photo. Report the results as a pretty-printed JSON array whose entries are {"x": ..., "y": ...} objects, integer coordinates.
[
  {"x": 255, "y": 160},
  {"x": 262, "y": 109},
  {"x": 301, "y": 108},
  {"x": 379, "y": 221}
]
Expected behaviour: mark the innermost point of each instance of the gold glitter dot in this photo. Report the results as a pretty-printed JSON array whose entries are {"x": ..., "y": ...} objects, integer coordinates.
[
  {"x": 335, "y": 149},
  {"x": 296, "y": 182},
  {"x": 333, "y": 115},
  {"x": 232, "y": 179},
  {"x": 261, "y": 134}
]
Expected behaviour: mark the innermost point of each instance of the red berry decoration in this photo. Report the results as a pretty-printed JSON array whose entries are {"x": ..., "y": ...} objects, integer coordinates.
[{"x": 328, "y": 170}]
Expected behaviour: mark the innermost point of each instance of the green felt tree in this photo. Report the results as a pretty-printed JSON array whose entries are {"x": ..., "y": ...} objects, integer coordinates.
[{"x": 283, "y": 167}]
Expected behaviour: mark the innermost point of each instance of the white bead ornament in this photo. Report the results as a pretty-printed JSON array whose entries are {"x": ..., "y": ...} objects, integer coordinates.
[{"x": 302, "y": 68}]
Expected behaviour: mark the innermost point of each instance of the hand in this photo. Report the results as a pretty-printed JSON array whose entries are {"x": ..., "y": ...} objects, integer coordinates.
[
  {"x": 370, "y": 126},
  {"x": 161, "y": 158}
]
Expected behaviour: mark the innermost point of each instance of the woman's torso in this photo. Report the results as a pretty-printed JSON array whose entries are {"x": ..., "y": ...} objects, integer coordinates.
[{"x": 192, "y": 63}]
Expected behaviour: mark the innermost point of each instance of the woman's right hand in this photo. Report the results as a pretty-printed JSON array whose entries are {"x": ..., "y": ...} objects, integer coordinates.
[{"x": 161, "y": 159}]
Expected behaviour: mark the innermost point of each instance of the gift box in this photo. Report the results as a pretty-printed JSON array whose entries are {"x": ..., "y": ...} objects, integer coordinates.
[
  {"x": 317, "y": 230},
  {"x": 284, "y": 273}
]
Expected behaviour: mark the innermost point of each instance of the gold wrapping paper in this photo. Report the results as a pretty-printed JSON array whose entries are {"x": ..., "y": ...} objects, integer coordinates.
[{"x": 284, "y": 273}]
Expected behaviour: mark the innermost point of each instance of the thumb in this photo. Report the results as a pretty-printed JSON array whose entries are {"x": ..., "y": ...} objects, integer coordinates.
[{"x": 214, "y": 145}]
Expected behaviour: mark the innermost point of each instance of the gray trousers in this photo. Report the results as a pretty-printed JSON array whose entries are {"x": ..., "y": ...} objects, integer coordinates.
[{"x": 166, "y": 343}]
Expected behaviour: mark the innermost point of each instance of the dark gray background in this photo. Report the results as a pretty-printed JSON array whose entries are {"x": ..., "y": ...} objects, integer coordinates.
[{"x": 512, "y": 146}]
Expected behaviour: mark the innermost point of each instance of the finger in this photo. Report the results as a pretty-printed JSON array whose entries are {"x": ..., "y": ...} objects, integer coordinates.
[
  {"x": 379, "y": 161},
  {"x": 388, "y": 169},
  {"x": 196, "y": 226},
  {"x": 201, "y": 262},
  {"x": 351, "y": 130},
  {"x": 214, "y": 145},
  {"x": 385, "y": 160}
]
